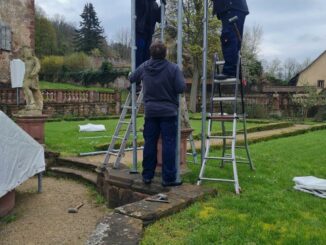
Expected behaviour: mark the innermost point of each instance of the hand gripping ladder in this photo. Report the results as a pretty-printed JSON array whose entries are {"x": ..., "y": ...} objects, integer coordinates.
[
  {"x": 220, "y": 98},
  {"x": 121, "y": 133}
]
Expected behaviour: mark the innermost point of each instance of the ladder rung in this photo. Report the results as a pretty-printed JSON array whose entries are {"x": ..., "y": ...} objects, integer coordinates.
[
  {"x": 127, "y": 106},
  {"x": 230, "y": 81},
  {"x": 124, "y": 122},
  {"x": 220, "y": 158},
  {"x": 213, "y": 179},
  {"x": 113, "y": 153},
  {"x": 220, "y": 137},
  {"x": 224, "y": 98},
  {"x": 222, "y": 117},
  {"x": 118, "y": 137},
  {"x": 221, "y": 62}
]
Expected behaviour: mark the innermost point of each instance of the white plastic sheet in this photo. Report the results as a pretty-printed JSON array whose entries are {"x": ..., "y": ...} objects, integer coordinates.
[
  {"x": 21, "y": 157},
  {"x": 17, "y": 72},
  {"x": 311, "y": 184},
  {"x": 91, "y": 128}
]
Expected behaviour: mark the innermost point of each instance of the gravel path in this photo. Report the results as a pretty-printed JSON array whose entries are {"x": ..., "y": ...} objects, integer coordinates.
[{"x": 43, "y": 218}]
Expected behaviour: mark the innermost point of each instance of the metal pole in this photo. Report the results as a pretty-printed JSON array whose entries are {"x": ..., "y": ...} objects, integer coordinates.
[
  {"x": 39, "y": 182},
  {"x": 133, "y": 86},
  {"x": 179, "y": 52},
  {"x": 162, "y": 20},
  {"x": 204, "y": 81}
]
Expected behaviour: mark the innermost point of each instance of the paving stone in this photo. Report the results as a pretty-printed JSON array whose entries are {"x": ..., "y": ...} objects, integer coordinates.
[
  {"x": 192, "y": 192},
  {"x": 151, "y": 211},
  {"x": 117, "y": 229}
]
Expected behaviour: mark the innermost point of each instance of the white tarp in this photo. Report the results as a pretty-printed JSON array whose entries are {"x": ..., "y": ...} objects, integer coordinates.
[
  {"x": 311, "y": 184},
  {"x": 91, "y": 128},
  {"x": 17, "y": 72},
  {"x": 21, "y": 157}
]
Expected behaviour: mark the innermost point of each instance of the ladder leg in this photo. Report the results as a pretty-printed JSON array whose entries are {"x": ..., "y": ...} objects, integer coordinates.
[
  {"x": 203, "y": 165},
  {"x": 234, "y": 163},
  {"x": 245, "y": 136}
]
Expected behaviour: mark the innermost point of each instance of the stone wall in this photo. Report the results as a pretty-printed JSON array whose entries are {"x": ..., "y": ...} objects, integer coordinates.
[
  {"x": 19, "y": 16},
  {"x": 66, "y": 103}
]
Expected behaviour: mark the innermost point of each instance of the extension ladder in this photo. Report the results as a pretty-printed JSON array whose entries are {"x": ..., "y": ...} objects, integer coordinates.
[
  {"x": 219, "y": 98},
  {"x": 121, "y": 132}
]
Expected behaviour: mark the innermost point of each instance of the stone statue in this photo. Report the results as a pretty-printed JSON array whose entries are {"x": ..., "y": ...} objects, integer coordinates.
[{"x": 31, "y": 87}]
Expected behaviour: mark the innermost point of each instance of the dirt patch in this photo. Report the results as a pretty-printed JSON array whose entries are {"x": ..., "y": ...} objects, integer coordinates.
[{"x": 43, "y": 218}]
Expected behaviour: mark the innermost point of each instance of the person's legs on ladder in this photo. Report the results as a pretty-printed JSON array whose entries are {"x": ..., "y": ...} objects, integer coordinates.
[
  {"x": 151, "y": 134},
  {"x": 230, "y": 42}
]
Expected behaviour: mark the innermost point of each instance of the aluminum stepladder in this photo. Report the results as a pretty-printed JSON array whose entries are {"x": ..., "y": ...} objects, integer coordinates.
[
  {"x": 122, "y": 132},
  {"x": 222, "y": 117}
]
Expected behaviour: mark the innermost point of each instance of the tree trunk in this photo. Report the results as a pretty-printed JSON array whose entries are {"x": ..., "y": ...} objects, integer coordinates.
[
  {"x": 194, "y": 86},
  {"x": 185, "y": 123}
]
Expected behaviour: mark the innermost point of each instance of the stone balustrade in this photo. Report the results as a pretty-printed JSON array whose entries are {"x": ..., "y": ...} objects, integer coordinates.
[
  {"x": 58, "y": 103},
  {"x": 9, "y": 96}
]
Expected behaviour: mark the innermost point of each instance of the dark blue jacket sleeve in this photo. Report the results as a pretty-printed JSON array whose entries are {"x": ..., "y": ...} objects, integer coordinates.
[
  {"x": 179, "y": 81},
  {"x": 137, "y": 75}
]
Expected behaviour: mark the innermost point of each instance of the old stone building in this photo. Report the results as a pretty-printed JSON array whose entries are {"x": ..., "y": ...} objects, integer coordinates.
[{"x": 17, "y": 18}]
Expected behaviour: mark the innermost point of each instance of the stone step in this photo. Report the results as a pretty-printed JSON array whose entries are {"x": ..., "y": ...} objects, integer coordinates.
[
  {"x": 125, "y": 225},
  {"x": 179, "y": 197},
  {"x": 83, "y": 175},
  {"x": 77, "y": 162}
]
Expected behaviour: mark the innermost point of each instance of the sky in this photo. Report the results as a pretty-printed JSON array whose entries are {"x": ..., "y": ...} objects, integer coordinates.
[{"x": 291, "y": 28}]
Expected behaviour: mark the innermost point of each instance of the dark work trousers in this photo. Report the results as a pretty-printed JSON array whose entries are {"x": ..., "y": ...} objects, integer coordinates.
[
  {"x": 167, "y": 127},
  {"x": 229, "y": 40},
  {"x": 142, "y": 53}
]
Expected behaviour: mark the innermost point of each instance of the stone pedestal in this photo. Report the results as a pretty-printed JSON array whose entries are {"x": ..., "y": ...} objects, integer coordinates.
[
  {"x": 7, "y": 203},
  {"x": 183, "y": 150},
  {"x": 33, "y": 125}
]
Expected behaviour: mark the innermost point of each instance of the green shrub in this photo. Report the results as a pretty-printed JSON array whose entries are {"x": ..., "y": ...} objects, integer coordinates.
[
  {"x": 52, "y": 64},
  {"x": 76, "y": 62}
]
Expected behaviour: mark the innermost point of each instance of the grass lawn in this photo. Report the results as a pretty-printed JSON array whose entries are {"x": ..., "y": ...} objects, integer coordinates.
[
  {"x": 64, "y": 136},
  {"x": 66, "y": 86},
  {"x": 269, "y": 210}
]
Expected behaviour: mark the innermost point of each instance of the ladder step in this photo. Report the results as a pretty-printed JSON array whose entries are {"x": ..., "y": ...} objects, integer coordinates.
[
  {"x": 124, "y": 122},
  {"x": 113, "y": 153},
  {"x": 222, "y": 180},
  {"x": 230, "y": 81},
  {"x": 221, "y": 62},
  {"x": 118, "y": 137},
  {"x": 224, "y": 98},
  {"x": 127, "y": 106},
  {"x": 220, "y": 158},
  {"x": 222, "y": 117},
  {"x": 220, "y": 137}
]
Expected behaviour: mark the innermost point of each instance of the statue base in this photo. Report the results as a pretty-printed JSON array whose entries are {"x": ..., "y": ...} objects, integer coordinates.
[
  {"x": 185, "y": 132},
  {"x": 7, "y": 203},
  {"x": 33, "y": 125}
]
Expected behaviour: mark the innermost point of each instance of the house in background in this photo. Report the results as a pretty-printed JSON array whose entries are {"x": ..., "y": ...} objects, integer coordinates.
[{"x": 314, "y": 75}]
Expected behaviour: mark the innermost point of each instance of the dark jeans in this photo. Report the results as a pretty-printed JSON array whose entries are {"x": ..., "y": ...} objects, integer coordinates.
[
  {"x": 142, "y": 53},
  {"x": 229, "y": 40},
  {"x": 167, "y": 127}
]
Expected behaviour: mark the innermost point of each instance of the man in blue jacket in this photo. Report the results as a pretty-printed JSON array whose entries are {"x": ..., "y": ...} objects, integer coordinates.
[
  {"x": 162, "y": 82},
  {"x": 225, "y": 10}
]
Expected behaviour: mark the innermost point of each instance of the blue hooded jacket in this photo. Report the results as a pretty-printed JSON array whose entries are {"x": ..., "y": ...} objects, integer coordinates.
[
  {"x": 221, "y": 6},
  {"x": 162, "y": 82}
]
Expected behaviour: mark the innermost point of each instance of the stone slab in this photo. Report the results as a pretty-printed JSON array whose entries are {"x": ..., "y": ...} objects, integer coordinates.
[
  {"x": 179, "y": 197},
  {"x": 117, "y": 229}
]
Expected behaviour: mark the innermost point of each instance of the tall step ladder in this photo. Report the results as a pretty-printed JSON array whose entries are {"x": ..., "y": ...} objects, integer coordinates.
[
  {"x": 122, "y": 132},
  {"x": 229, "y": 141}
]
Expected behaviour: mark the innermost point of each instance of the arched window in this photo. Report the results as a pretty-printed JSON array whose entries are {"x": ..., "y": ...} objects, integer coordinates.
[{"x": 5, "y": 37}]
